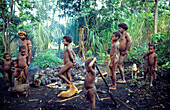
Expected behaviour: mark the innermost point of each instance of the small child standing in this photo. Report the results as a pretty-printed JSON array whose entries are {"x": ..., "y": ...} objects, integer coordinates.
[
  {"x": 21, "y": 70},
  {"x": 114, "y": 56},
  {"x": 89, "y": 82},
  {"x": 152, "y": 63},
  {"x": 68, "y": 60},
  {"x": 7, "y": 64}
]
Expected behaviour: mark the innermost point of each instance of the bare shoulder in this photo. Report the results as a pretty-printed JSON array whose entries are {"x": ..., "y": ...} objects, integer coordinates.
[
  {"x": 29, "y": 42},
  {"x": 155, "y": 54},
  {"x": 127, "y": 35}
]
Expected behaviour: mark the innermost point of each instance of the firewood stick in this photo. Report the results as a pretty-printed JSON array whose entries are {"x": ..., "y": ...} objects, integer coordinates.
[
  {"x": 97, "y": 96},
  {"x": 34, "y": 100},
  {"x": 52, "y": 84},
  {"x": 104, "y": 98},
  {"x": 124, "y": 103},
  {"x": 67, "y": 99}
]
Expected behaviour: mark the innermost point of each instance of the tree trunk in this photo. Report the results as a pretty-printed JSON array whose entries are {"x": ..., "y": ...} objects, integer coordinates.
[
  {"x": 3, "y": 31},
  {"x": 156, "y": 17},
  {"x": 81, "y": 42}
]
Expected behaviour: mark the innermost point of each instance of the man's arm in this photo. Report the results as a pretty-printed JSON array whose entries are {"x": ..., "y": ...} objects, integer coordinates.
[
  {"x": 129, "y": 42},
  {"x": 30, "y": 51}
]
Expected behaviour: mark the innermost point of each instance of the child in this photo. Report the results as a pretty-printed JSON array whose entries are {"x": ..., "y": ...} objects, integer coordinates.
[
  {"x": 21, "y": 72},
  {"x": 68, "y": 60},
  {"x": 89, "y": 82},
  {"x": 8, "y": 69},
  {"x": 125, "y": 43},
  {"x": 114, "y": 56},
  {"x": 152, "y": 63}
]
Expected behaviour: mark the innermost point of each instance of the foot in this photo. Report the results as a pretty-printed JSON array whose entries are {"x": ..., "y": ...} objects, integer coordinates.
[
  {"x": 111, "y": 85},
  {"x": 121, "y": 81},
  {"x": 113, "y": 88},
  {"x": 150, "y": 85}
]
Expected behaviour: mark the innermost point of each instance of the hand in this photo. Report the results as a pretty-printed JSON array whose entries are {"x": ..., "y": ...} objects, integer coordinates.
[
  {"x": 28, "y": 63},
  {"x": 95, "y": 59},
  {"x": 110, "y": 66},
  {"x": 124, "y": 53},
  {"x": 155, "y": 69},
  {"x": 74, "y": 63},
  {"x": 148, "y": 52}
]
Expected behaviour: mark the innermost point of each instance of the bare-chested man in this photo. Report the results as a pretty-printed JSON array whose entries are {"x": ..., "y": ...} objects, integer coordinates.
[
  {"x": 68, "y": 60},
  {"x": 28, "y": 45},
  {"x": 152, "y": 63},
  {"x": 114, "y": 56},
  {"x": 125, "y": 43}
]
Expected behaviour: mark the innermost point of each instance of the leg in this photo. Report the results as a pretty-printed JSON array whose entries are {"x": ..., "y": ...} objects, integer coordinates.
[
  {"x": 91, "y": 97},
  {"x": 113, "y": 77},
  {"x": 145, "y": 72},
  {"x": 151, "y": 81},
  {"x": 63, "y": 70},
  {"x": 151, "y": 75},
  {"x": 6, "y": 79},
  {"x": 10, "y": 78},
  {"x": 69, "y": 75},
  {"x": 26, "y": 75},
  {"x": 121, "y": 66}
]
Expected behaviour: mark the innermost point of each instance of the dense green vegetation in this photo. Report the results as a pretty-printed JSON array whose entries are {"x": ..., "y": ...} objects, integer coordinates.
[{"x": 89, "y": 23}]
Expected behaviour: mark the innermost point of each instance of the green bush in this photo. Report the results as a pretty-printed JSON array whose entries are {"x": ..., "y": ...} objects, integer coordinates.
[
  {"x": 135, "y": 54},
  {"x": 46, "y": 59},
  {"x": 162, "y": 42}
]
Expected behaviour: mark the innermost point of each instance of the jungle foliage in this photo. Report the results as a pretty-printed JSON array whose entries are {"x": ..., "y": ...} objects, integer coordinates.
[{"x": 89, "y": 22}]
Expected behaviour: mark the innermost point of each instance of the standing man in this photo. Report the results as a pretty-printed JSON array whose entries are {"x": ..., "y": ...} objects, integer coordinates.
[
  {"x": 28, "y": 45},
  {"x": 125, "y": 43}
]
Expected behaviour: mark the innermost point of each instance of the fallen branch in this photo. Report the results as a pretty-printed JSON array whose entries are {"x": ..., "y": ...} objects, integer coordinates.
[
  {"x": 67, "y": 99},
  {"x": 103, "y": 92},
  {"x": 124, "y": 104},
  {"x": 52, "y": 84},
  {"x": 34, "y": 100},
  {"x": 105, "y": 98}
]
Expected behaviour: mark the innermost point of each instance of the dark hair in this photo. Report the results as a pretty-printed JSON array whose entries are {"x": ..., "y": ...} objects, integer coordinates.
[
  {"x": 6, "y": 53},
  {"x": 152, "y": 45},
  {"x": 123, "y": 25},
  {"x": 117, "y": 34},
  {"x": 88, "y": 61},
  {"x": 22, "y": 47},
  {"x": 68, "y": 38}
]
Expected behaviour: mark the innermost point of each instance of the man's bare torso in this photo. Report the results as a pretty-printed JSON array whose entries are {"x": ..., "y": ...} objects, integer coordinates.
[
  {"x": 25, "y": 43},
  {"x": 123, "y": 43}
]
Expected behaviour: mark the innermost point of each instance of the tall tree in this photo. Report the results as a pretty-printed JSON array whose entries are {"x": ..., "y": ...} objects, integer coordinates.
[{"x": 156, "y": 17}]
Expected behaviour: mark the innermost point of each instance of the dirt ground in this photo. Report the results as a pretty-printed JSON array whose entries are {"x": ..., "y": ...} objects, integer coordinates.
[{"x": 132, "y": 95}]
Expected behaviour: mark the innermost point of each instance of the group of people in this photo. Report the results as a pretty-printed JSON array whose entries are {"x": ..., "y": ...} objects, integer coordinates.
[
  {"x": 119, "y": 51},
  {"x": 21, "y": 63}
]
